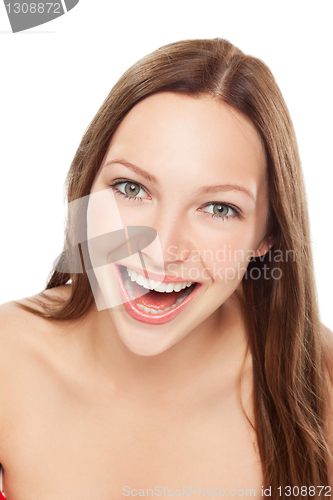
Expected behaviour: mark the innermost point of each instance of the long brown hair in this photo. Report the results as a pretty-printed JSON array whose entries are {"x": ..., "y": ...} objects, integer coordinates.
[{"x": 284, "y": 331}]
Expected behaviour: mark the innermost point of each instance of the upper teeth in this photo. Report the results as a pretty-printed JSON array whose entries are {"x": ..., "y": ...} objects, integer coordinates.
[{"x": 158, "y": 286}]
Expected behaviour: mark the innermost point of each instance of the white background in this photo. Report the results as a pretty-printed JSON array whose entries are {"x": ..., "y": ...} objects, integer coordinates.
[{"x": 54, "y": 78}]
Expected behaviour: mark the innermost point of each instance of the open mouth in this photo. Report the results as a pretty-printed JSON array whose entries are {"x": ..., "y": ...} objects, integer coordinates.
[{"x": 161, "y": 303}]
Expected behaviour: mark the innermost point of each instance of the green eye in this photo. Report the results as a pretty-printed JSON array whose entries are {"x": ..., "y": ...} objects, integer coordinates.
[
  {"x": 131, "y": 188},
  {"x": 132, "y": 191},
  {"x": 220, "y": 209}
]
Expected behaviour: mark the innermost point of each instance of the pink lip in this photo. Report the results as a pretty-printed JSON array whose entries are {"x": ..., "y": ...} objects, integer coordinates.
[
  {"x": 159, "y": 277},
  {"x": 151, "y": 319}
]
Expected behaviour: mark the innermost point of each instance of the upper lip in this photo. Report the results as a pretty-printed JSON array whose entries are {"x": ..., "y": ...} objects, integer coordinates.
[{"x": 158, "y": 277}]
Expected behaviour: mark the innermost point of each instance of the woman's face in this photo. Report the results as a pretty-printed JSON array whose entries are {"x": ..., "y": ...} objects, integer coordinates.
[{"x": 194, "y": 170}]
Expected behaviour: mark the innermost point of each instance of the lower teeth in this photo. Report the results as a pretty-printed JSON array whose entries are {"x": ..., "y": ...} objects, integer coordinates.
[{"x": 129, "y": 288}]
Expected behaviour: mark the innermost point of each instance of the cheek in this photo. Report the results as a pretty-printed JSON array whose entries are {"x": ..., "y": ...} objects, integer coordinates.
[
  {"x": 102, "y": 214},
  {"x": 226, "y": 257},
  {"x": 103, "y": 223}
]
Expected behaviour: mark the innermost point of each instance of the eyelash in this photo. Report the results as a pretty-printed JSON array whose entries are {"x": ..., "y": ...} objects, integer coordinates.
[
  {"x": 134, "y": 198},
  {"x": 120, "y": 193}
]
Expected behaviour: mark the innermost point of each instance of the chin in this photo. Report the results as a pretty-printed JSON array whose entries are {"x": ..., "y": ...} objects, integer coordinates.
[{"x": 144, "y": 342}]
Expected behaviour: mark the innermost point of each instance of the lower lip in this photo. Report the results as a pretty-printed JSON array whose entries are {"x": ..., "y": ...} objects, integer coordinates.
[{"x": 157, "y": 319}]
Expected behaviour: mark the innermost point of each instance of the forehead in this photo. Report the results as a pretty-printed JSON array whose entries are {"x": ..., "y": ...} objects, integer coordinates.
[{"x": 174, "y": 134}]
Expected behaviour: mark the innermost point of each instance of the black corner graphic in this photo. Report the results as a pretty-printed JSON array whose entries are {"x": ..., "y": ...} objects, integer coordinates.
[{"x": 23, "y": 15}]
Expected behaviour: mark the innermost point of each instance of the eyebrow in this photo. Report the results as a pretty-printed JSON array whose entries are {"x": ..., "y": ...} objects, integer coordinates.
[
  {"x": 149, "y": 177},
  {"x": 225, "y": 187},
  {"x": 203, "y": 190}
]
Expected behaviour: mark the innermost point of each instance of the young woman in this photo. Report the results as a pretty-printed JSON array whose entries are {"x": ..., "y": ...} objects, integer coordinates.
[{"x": 177, "y": 348}]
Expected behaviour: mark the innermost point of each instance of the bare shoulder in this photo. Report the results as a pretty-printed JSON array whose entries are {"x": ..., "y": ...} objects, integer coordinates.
[
  {"x": 29, "y": 351},
  {"x": 16, "y": 320},
  {"x": 19, "y": 328},
  {"x": 24, "y": 336}
]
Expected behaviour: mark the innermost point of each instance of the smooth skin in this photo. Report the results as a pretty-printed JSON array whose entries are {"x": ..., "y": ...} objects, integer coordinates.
[{"x": 93, "y": 405}]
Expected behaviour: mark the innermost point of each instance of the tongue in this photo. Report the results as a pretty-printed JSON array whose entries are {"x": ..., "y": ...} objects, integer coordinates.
[{"x": 155, "y": 300}]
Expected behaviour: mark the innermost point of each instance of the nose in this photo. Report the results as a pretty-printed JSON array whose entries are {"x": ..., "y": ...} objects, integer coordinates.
[{"x": 174, "y": 239}]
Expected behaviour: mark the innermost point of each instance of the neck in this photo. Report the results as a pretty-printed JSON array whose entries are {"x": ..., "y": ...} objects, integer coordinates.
[{"x": 212, "y": 352}]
